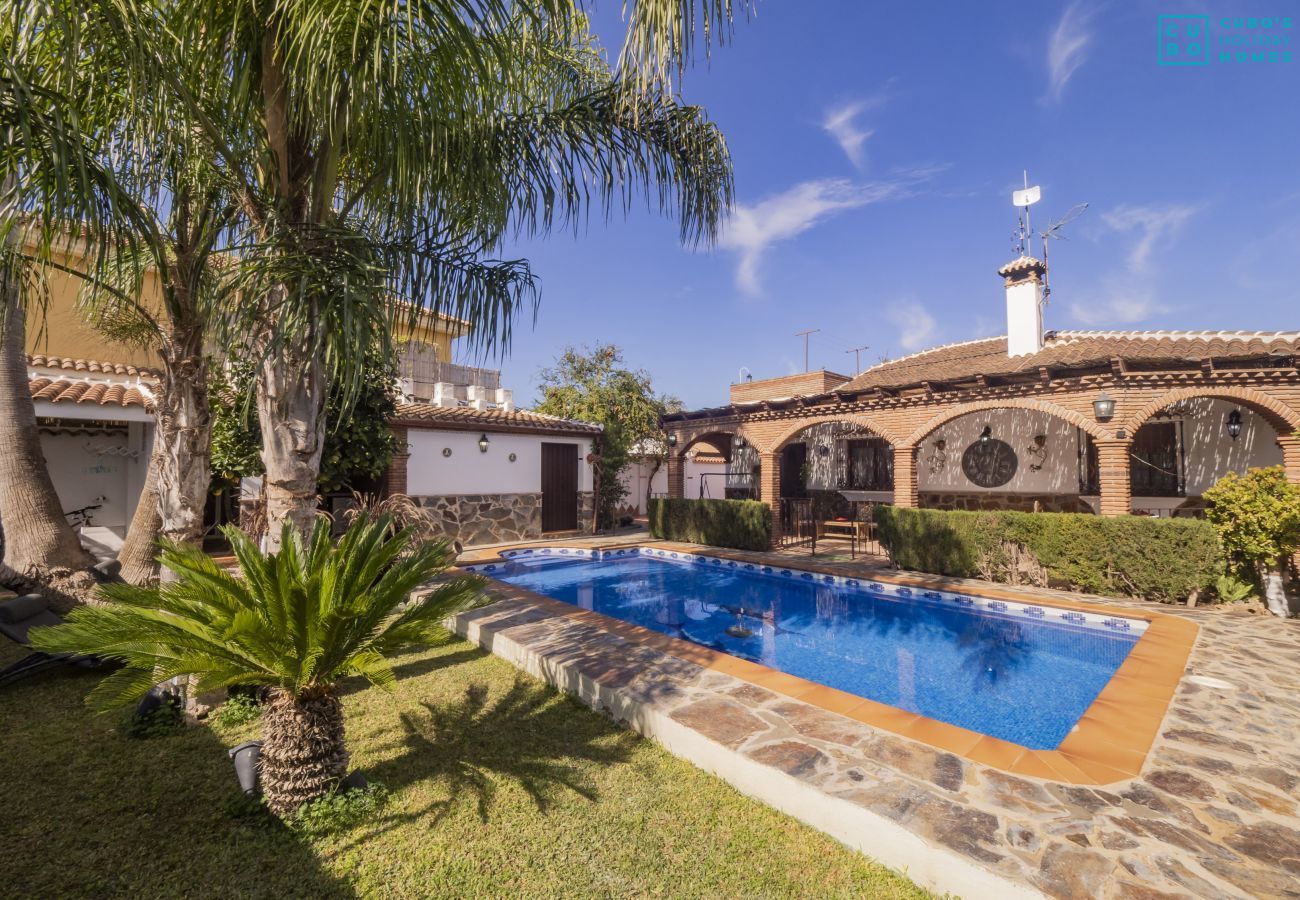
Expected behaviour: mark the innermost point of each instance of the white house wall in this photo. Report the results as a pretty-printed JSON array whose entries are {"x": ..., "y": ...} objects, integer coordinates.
[
  {"x": 1210, "y": 452},
  {"x": 469, "y": 471},
  {"x": 636, "y": 477},
  {"x": 104, "y": 466},
  {"x": 1018, "y": 427}
]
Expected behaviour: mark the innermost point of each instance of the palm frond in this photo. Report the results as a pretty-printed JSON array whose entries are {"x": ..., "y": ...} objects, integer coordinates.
[{"x": 300, "y": 619}]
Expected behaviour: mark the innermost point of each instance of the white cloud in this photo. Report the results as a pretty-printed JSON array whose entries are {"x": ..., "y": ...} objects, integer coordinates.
[
  {"x": 1127, "y": 295},
  {"x": 1069, "y": 45},
  {"x": 916, "y": 327},
  {"x": 1119, "y": 302},
  {"x": 841, "y": 124},
  {"x": 751, "y": 230},
  {"x": 1154, "y": 224}
]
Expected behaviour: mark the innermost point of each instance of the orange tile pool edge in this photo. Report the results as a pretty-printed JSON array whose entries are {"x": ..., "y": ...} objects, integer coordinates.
[{"x": 1109, "y": 744}]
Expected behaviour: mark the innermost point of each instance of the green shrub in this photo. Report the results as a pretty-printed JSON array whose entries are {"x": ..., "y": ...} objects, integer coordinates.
[
  {"x": 240, "y": 709},
  {"x": 1156, "y": 559},
  {"x": 740, "y": 524},
  {"x": 340, "y": 810}
]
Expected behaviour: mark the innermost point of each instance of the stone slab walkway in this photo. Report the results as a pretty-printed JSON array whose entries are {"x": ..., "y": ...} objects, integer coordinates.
[{"x": 1213, "y": 813}]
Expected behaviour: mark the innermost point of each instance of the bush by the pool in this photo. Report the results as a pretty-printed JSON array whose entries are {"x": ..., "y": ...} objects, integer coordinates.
[
  {"x": 1168, "y": 560},
  {"x": 739, "y": 524}
]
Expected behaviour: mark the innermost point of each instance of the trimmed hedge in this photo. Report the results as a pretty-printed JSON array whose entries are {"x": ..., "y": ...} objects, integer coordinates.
[
  {"x": 739, "y": 524},
  {"x": 1155, "y": 559}
]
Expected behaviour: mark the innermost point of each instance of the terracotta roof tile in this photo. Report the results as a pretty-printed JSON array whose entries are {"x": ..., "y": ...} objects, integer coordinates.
[
  {"x": 64, "y": 390},
  {"x": 427, "y": 415},
  {"x": 70, "y": 364},
  {"x": 1073, "y": 349}
]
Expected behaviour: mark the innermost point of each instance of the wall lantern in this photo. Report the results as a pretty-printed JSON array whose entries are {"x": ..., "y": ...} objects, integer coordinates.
[
  {"x": 1234, "y": 424},
  {"x": 987, "y": 434},
  {"x": 483, "y": 444},
  {"x": 740, "y": 442},
  {"x": 1037, "y": 452},
  {"x": 1103, "y": 408},
  {"x": 939, "y": 458},
  {"x": 672, "y": 440},
  {"x": 823, "y": 450}
]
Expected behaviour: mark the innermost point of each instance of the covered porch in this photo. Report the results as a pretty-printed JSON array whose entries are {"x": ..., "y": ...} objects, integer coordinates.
[{"x": 1101, "y": 446}]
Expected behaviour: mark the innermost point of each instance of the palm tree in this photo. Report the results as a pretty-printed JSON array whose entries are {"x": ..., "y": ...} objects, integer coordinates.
[
  {"x": 49, "y": 176},
  {"x": 385, "y": 149},
  {"x": 179, "y": 215},
  {"x": 298, "y": 621}
]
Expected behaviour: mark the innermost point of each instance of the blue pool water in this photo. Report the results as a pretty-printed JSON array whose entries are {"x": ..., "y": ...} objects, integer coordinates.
[{"x": 1015, "y": 675}]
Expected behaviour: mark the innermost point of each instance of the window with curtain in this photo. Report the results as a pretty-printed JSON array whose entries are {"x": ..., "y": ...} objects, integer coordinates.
[{"x": 870, "y": 465}]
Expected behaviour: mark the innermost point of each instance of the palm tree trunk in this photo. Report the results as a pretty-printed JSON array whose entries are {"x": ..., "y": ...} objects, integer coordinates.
[
  {"x": 138, "y": 555},
  {"x": 303, "y": 751},
  {"x": 291, "y": 394},
  {"x": 184, "y": 439},
  {"x": 40, "y": 545}
]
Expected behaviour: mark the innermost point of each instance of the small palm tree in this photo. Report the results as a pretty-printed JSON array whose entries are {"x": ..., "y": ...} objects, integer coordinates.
[{"x": 298, "y": 621}]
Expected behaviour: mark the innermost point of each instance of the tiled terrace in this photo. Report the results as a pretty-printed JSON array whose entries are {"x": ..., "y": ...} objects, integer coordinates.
[{"x": 1212, "y": 810}]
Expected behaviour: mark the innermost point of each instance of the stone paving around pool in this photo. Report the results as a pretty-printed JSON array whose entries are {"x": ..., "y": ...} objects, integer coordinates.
[{"x": 1213, "y": 812}]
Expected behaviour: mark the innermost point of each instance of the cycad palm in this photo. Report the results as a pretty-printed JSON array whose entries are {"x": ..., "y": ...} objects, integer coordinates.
[{"x": 298, "y": 621}]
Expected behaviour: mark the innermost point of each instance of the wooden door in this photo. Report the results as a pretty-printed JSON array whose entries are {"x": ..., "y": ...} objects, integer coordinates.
[{"x": 559, "y": 487}]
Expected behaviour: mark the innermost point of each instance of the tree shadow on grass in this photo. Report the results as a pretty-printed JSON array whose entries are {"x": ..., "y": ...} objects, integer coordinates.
[
  {"x": 90, "y": 812},
  {"x": 414, "y": 662},
  {"x": 532, "y": 735}
]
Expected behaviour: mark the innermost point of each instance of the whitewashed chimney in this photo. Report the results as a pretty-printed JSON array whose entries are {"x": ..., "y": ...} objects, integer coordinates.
[
  {"x": 1024, "y": 281},
  {"x": 505, "y": 399}
]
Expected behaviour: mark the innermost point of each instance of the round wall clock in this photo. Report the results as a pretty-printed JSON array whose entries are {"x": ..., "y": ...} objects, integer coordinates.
[{"x": 989, "y": 463}]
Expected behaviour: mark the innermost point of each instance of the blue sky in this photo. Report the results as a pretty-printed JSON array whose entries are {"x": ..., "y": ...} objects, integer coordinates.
[{"x": 875, "y": 148}]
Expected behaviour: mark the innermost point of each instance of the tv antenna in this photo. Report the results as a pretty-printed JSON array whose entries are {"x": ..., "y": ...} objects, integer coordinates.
[
  {"x": 1054, "y": 231},
  {"x": 804, "y": 335},
  {"x": 1024, "y": 199},
  {"x": 857, "y": 357}
]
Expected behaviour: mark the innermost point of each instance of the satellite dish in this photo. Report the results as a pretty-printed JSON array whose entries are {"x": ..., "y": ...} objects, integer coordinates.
[{"x": 1028, "y": 197}]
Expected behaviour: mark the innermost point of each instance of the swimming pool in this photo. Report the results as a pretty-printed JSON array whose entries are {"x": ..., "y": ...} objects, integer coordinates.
[{"x": 1014, "y": 671}]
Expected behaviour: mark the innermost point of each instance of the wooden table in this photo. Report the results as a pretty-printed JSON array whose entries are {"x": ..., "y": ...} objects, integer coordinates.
[{"x": 852, "y": 529}]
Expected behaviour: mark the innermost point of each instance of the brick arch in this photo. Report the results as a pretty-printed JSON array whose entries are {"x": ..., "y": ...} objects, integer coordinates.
[
  {"x": 1282, "y": 418},
  {"x": 690, "y": 439},
  {"x": 850, "y": 418},
  {"x": 1077, "y": 419}
]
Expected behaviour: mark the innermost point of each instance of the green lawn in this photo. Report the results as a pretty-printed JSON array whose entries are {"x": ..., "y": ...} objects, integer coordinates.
[{"x": 500, "y": 787}]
